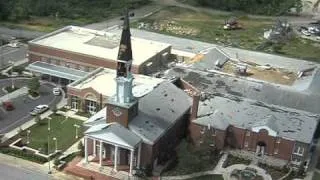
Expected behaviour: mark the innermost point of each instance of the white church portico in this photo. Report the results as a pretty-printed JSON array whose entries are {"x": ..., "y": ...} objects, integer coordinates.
[{"x": 114, "y": 146}]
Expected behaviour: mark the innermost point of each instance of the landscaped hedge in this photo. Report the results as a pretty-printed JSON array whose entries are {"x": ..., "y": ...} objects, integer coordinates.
[{"x": 23, "y": 155}]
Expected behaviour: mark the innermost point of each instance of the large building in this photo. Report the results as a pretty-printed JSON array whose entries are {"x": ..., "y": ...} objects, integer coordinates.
[
  {"x": 72, "y": 49},
  {"x": 263, "y": 118},
  {"x": 135, "y": 129},
  {"x": 90, "y": 94}
]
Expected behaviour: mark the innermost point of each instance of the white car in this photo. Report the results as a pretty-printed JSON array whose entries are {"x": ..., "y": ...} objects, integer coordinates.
[
  {"x": 306, "y": 33},
  {"x": 39, "y": 109},
  {"x": 56, "y": 91}
]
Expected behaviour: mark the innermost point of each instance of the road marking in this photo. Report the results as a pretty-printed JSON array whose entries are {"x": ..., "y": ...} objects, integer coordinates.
[
  {"x": 148, "y": 14},
  {"x": 9, "y": 52}
]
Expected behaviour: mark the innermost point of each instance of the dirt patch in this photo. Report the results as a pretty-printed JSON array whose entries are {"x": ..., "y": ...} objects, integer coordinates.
[{"x": 269, "y": 74}]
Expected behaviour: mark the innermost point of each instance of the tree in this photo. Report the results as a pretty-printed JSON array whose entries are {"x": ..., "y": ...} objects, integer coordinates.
[
  {"x": 81, "y": 149},
  {"x": 54, "y": 109},
  {"x": 38, "y": 120},
  {"x": 34, "y": 85}
]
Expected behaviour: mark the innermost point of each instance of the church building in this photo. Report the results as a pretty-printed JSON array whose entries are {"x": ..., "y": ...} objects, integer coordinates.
[{"x": 133, "y": 132}]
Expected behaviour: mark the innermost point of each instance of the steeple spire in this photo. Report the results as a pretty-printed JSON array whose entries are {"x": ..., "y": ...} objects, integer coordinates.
[
  {"x": 124, "y": 77},
  {"x": 125, "y": 51}
]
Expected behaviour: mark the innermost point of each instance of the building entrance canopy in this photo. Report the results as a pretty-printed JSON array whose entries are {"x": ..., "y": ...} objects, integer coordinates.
[{"x": 57, "y": 71}]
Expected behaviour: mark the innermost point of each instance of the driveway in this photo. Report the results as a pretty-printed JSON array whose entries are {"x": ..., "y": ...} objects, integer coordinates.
[
  {"x": 23, "y": 105},
  {"x": 13, "y": 54}
]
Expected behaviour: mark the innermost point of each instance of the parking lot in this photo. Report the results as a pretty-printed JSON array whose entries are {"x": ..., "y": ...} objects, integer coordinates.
[
  {"x": 23, "y": 105},
  {"x": 13, "y": 54}
]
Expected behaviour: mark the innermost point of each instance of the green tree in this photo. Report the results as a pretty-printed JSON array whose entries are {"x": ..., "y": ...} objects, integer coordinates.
[
  {"x": 54, "y": 109},
  {"x": 34, "y": 85},
  {"x": 81, "y": 149},
  {"x": 38, "y": 120}
]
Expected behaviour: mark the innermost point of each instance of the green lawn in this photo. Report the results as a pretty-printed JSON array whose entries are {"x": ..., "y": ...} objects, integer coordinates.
[
  {"x": 316, "y": 176},
  {"x": 209, "y": 28},
  {"x": 191, "y": 161},
  {"x": 208, "y": 177},
  {"x": 231, "y": 160},
  {"x": 61, "y": 128}
]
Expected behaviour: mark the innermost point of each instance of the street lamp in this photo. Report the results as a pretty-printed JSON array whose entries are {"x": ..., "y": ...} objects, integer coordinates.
[
  {"x": 49, "y": 170},
  {"x": 77, "y": 126},
  {"x": 49, "y": 124},
  {"x": 28, "y": 134},
  {"x": 56, "y": 143},
  {"x": 11, "y": 70}
]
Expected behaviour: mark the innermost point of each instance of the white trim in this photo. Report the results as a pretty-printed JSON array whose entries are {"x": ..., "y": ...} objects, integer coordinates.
[{"x": 270, "y": 131}]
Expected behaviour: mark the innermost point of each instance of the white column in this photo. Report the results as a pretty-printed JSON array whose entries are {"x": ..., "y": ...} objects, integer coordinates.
[
  {"x": 131, "y": 162},
  {"x": 100, "y": 154},
  {"x": 94, "y": 148},
  {"x": 86, "y": 149},
  {"x": 115, "y": 163},
  {"x": 139, "y": 155}
]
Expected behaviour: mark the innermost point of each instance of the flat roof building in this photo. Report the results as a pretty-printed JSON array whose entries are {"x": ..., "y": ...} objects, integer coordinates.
[{"x": 85, "y": 50}]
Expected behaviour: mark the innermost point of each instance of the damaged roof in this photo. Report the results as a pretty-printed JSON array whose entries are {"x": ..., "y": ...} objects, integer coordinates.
[
  {"x": 218, "y": 110},
  {"x": 265, "y": 92},
  {"x": 159, "y": 110}
]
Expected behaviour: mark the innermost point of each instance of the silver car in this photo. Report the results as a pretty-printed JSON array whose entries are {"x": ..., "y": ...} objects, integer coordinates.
[{"x": 39, "y": 109}]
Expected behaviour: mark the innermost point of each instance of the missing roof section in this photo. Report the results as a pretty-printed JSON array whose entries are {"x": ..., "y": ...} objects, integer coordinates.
[{"x": 102, "y": 41}]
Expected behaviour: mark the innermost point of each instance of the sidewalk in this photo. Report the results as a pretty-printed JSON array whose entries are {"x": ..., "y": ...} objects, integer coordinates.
[{"x": 35, "y": 167}]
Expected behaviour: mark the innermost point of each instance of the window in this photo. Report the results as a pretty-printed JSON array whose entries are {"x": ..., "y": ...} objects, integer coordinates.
[
  {"x": 298, "y": 150},
  {"x": 278, "y": 140},
  {"x": 91, "y": 106},
  {"x": 202, "y": 130},
  {"x": 246, "y": 144},
  {"x": 276, "y": 150},
  {"x": 296, "y": 160},
  {"x": 248, "y": 133}
]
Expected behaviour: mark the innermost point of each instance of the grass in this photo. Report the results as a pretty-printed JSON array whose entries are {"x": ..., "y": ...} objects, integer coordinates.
[
  {"x": 316, "y": 176},
  {"x": 61, "y": 128},
  {"x": 275, "y": 172},
  {"x": 191, "y": 161},
  {"x": 209, "y": 177},
  {"x": 209, "y": 28},
  {"x": 231, "y": 160}
]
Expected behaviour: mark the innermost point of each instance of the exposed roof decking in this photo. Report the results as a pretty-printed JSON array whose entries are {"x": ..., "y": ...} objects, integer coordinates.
[
  {"x": 265, "y": 92},
  {"x": 249, "y": 114},
  {"x": 88, "y": 42},
  {"x": 102, "y": 80}
]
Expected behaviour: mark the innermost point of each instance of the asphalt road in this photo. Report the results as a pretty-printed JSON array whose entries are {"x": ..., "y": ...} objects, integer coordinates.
[
  {"x": 13, "y": 54},
  {"x": 138, "y": 14},
  {"x": 12, "y": 119},
  {"x": 8, "y": 172}
]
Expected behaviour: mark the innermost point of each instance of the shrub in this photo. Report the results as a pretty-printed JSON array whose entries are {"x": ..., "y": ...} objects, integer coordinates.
[
  {"x": 24, "y": 155},
  {"x": 81, "y": 148},
  {"x": 56, "y": 161},
  {"x": 18, "y": 69}
]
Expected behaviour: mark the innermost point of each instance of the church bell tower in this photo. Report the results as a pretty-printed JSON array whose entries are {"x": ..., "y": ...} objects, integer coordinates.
[{"x": 123, "y": 106}]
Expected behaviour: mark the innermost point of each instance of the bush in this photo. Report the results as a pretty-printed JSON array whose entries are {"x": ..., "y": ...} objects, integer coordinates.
[
  {"x": 56, "y": 161},
  {"x": 23, "y": 155},
  {"x": 18, "y": 69},
  {"x": 81, "y": 148}
]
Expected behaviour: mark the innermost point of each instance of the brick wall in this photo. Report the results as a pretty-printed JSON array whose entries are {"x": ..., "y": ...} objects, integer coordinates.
[{"x": 36, "y": 51}]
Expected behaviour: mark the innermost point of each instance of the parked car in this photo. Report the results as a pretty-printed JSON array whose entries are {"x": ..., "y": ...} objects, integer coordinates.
[
  {"x": 56, "y": 91},
  {"x": 39, "y": 109},
  {"x": 306, "y": 33},
  {"x": 7, "y": 105}
]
